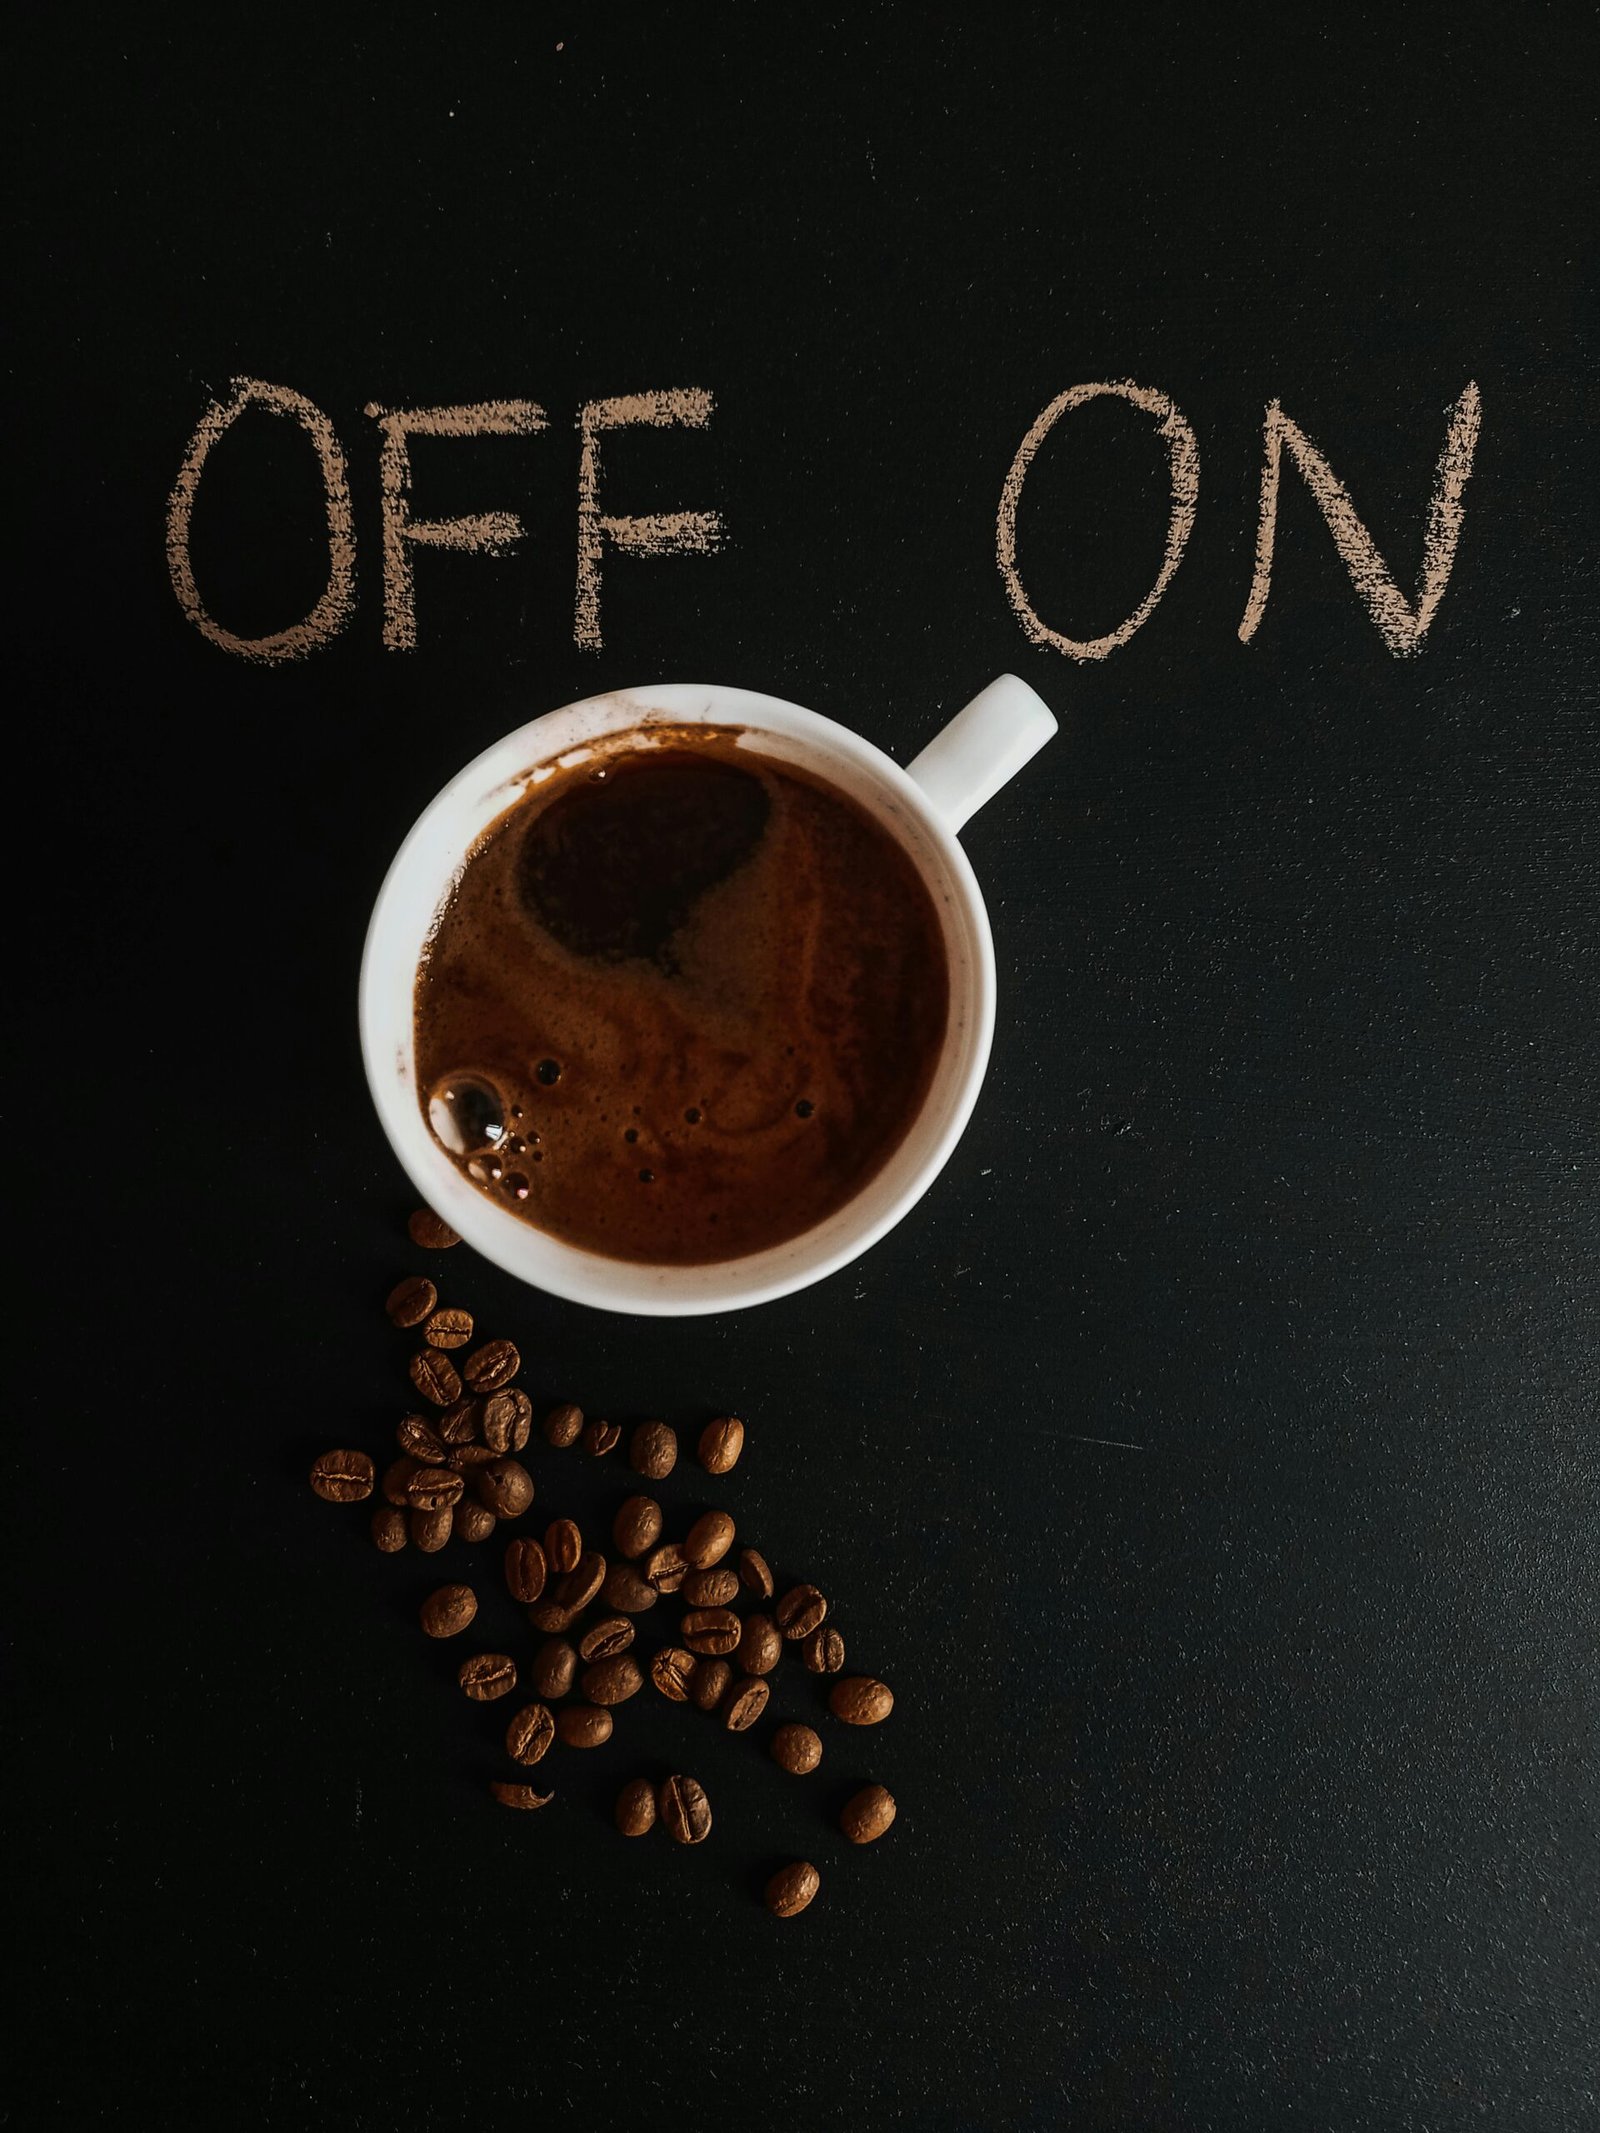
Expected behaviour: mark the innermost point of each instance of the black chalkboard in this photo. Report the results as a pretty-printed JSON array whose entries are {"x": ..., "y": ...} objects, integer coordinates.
[{"x": 1209, "y": 1461}]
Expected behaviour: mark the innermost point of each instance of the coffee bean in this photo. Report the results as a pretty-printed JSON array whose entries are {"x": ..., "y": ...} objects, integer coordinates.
[
  {"x": 599, "y": 1438},
  {"x": 505, "y": 1487},
  {"x": 394, "y": 1481},
  {"x": 388, "y": 1529},
  {"x": 584, "y": 1725},
  {"x": 684, "y": 1810},
  {"x": 487, "y": 1368},
  {"x": 433, "y": 1488},
  {"x": 861, "y": 1701},
  {"x": 555, "y": 1668},
  {"x": 430, "y": 1530},
  {"x": 464, "y": 1457},
  {"x": 343, "y": 1477},
  {"x": 744, "y": 1704},
  {"x": 673, "y": 1672},
  {"x": 526, "y": 1570},
  {"x": 563, "y": 1426},
  {"x": 708, "y": 1539},
  {"x": 431, "y": 1231},
  {"x": 637, "y": 1526},
  {"x": 710, "y": 1684},
  {"x": 611, "y": 1680},
  {"x": 449, "y": 1328},
  {"x": 636, "y": 1808},
  {"x": 653, "y": 1450},
  {"x": 755, "y": 1574},
  {"x": 721, "y": 1442},
  {"x": 711, "y": 1588},
  {"x": 530, "y": 1734},
  {"x": 760, "y": 1644},
  {"x": 796, "y": 1749},
  {"x": 711, "y": 1631},
  {"x": 867, "y": 1814},
  {"x": 625, "y": 1592},
  {"x": 519, "y": 1795},
  {"x": 487, "y": 1675},
  {"x": 411, "y": 1300},
  {"x": 474, "y": 1521},
  {"x": 417, "y": 1439},
  {"x": 800, "y": 1612},
  {"x": 792, "y": 1888},
  {"x": 434, "y": 1376},
  {"x": 459, "y": 1424},
  {"x": 823, "y": 1651},
  {"x": 446, "y": 1612},
  {"x": 665, "y": 1568},
  {"x": 605, "y": 1639},
  {"x": 563, "y": 1545},
  {"x": 550, "y": 1618},
  {"x": 507, "y": 1420}
]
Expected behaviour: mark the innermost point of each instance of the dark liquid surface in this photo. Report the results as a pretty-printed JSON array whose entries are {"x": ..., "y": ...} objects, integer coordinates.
[{"x": 683, "y": 1004}]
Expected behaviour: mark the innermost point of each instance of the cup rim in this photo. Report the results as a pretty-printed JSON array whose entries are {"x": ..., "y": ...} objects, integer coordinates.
[{"x": 568, "y": 1271}]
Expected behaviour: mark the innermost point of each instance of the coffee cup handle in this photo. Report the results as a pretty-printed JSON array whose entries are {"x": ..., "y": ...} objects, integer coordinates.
[{"x": 982, "y": 748}]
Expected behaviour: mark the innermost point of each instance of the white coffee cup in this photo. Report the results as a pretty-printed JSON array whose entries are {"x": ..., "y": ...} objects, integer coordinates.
[{"x": 922, "y": 807}]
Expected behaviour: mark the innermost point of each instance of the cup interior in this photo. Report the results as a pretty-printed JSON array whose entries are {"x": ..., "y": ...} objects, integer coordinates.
[{"x": 430, "y": 862}]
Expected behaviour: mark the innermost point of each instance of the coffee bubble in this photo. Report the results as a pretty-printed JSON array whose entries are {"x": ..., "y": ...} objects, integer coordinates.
[{"x": 466, "y": 1113}]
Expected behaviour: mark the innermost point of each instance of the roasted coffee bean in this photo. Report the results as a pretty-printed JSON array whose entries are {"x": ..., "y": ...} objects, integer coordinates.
[
  {"x": 550, "y": 1618},
  {"x": 744, "y": 1704},
  {"x": 418, "y": 1440},
  {"x": 603, "y": 1640},
  {"x": 867, "y": 1814},
  {"x": 464, "y": 1457},
  {"x": 507, "y": 1420},
  {"x": 599, "y": 1438},
  {"x": 563, "y": 1426},
  {"x": 446, "y": 1612},
  {"x": 708, "y": 1539},
  {"x": 449, "y": 1328},
  {"x": 474, "y": 1521},
  {"x": 665, "y": 1568},
  {"x": 626, "y": 1591},
  {"x": 636, "y": 1808},
  {"x": 505, "y": 1487},
  {"x": 797, "y": 1749},
  {"x": 755, "y": 1574},
  {"x": 861, "y": 1701},
  {"x": 721, "y": 1442},
  {"x": 636, "y": 1527},
  {"x": 487, "y": 1675},
  {"x": 343, "y": 1477},
  {"x": 526, "y": 1571},
  {"x": 792, "y": 1888},
  {"x": 555, "y": 1668},
  {"x": 711, "y": 1631},
  {"x": 389, "y": 1528},
  {"x": 430, "y": 1530},
  {"x": 710, "y": 1684},
  {"x": 584, "y": 1725},
  {"x": 522, "y": 1796},
  {"x": 578, "y": 1588},
  {"x": 431, "y": 1231},
  {"x": 530, "y": 1734},
  {"x": 823, "y": 1651},
  {"x": 411, "y": 1300},
  {"x": 433, "y": 1488},
  {"x": 611, "y": 1680},
  {"x": 563, "y": 1545},
  {"x": 459, "y": 1424},
  {"x": 684, "y": 1810},
  {"x": 711, "y": 1588},
  {"x": 673, "y": 1673},
  {"x": 490, "y": 1367},
  {"x": 801, "y": 1611},
  {"x": 435, "y": 1377},
  {"x": 760, "y": 1644},
  {"x": 653, "y": 1450},
  {"x": 394, "y": 1481}
]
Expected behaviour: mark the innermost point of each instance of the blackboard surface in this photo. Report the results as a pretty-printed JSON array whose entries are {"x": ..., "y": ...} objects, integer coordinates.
[{"x": 1210, "y": 1460}]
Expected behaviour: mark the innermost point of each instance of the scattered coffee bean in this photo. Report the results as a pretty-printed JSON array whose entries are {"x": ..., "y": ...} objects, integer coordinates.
[
  {"x": 487, "y": 1368},
  {"x": 487, "y": 1675},
  {"x": 550, "y": 1618},
  {"x": 431, "y": 1231},
  {"x": 446, "y": 1612},
  {"x": 792, "y": 1888},
  {"x": 801, "y": 1611},
  {"x": 744, "y": 1704},
  {"x": 625, "y": 1592},
  {"x": 711, "y": 1588},
  {"x": 389, "y": 1528},
  {"x": 563, "y": 1544},
  {"x": 599, "y": 1438},
  {"x": 343, "y": 1477},
  {"x": 507, "y": 1420},
  {"x": 563, "y": 1426},
  {"x": 760, "y": 1644},
  {"x": 584, "y": 1725},
  {"x": 861, "y": 1701},
  {"x": 555, "y": 1668},
  {"x": 708, "y": 1539},
  {"x": 394, "y": 1481},
  {"x": 867, "y": 1814},
  {"x": 579, "y": 1586},
  {"x": 411, "y": 1300},
  {"x": 473, "y": 1521},
  {"x": 459, "y": 1424},
  {"x": 506, "y": 1487},
  {"x": 665, "y": 1568},
  {"x": 684, "y": 1810},
  {"x": 435, "y": 1377},
  {"x": 611, "y": 1680},
  {"x": 710, "y": 1684},
  {"x": 755, "y": 1573},
  {"x": 653, "y": 1450},
  {"x": 430, "y": 1530},
  {"x": 636, "y": 1808},
  {"x": 673, "y": 1672},
  {"x": 449, "y": 1328},
  {"x": 526, "y": 1570},
  {"x": 417, "y": 1439},
  {"x": 637, "y": 1526},
  {"x": 721, "y": 1442},
  {"x": 519, "y": 1795},
  {"x": 464, "y": 1457},
  {"x": 797, "y": 1749},
  {"x": 603, "y": 1640},
  {"x": 433, "y": 1488},
  {"x": 711, "y": 1631},
  {"x": 530, "y": 1734}
]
